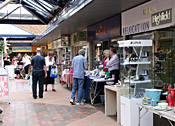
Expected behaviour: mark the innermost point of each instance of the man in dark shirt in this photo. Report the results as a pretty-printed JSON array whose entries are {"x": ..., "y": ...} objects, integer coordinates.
[{"x": 38, "y": 68}]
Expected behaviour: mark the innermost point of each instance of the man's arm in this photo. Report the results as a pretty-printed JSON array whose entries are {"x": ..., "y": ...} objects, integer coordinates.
[
  {"x": 31, "y": 69},
  {"x": 45, "y": 68},
  {"x": 85, "y": 64},
  {"x": 112, "y": 62}
]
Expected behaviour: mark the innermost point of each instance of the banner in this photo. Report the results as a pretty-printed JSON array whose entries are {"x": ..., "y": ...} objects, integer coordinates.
[
  {"x": 22, "y": 49},
  {"x": 4, "y": 89}
]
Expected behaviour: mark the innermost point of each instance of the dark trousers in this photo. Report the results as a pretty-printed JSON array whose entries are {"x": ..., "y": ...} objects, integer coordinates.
[
  {"x": 26, "y": 68},
  {"x": 38, "y": 76},
  {"x": 116, "y": 74}
]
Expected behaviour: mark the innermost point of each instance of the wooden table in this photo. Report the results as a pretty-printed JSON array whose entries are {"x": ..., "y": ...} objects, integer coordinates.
[{"x": 112, "y": 100}]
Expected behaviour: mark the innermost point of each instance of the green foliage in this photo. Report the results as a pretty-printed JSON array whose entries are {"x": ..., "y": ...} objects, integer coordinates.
[
  {"x": 9, "y": 52},
  {"x": 1, "y": 46}
]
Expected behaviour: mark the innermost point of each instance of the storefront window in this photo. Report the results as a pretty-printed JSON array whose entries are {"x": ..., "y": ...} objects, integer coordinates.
[
  {"x": 98, "y": 48},
  {"x": 163, "y": 56},
  {"x": 165, "y": 50}
]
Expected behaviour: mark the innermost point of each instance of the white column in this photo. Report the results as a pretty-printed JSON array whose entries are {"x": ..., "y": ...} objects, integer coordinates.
[{"x": 5, "y": 45}]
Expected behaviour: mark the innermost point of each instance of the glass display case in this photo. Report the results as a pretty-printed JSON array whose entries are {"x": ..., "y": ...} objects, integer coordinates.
[{"x": 136, "y": 66}]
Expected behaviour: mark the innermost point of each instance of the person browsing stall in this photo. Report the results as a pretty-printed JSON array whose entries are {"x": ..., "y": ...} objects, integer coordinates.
[
  {"x": 79, "y": 64},
  {"x": 113, "y": 65},
  {"x": 38, "y": 70}
]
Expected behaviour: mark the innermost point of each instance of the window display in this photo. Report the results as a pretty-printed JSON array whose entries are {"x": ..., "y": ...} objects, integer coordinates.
[{"x": 136, "y": 65}]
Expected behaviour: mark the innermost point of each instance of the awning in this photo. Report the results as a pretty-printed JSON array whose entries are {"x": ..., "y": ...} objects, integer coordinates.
[
  {"x": 94, "y": 12},
  {"x": 13, "y": 31}
]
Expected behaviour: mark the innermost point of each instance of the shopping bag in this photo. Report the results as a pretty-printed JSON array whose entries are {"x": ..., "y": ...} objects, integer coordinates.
[
  {"x": 170, "y": 97},
  {"x": 53, "y": 72}
]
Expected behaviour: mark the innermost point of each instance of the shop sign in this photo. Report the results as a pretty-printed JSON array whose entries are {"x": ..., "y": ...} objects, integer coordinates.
[
  {"x": 82, "y": 36},
  {"x": 147, "y": 17},
  {"x": 75, "y": 39},
  {"x": 22, "y": 49},
  {"x": 136, "y": 28},
  {"x": 106, "y": 29},
  {"x": 135, "y": 43},
  {"x": 162, "y": 17},
  {"x": 49, "y": 46},
  {"x": 65, "y": 40},
  {"x": 4, "y": 89}
]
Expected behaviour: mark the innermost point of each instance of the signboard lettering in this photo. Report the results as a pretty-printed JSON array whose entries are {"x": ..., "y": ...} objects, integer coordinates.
[
  {"x": 4, "y": 91},
  {"x": 137, "y": 28},
  {"x": 162, "y": 17}
]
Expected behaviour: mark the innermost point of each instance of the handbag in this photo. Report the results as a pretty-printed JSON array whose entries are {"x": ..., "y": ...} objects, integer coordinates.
[{"x": 53, "y": 72}]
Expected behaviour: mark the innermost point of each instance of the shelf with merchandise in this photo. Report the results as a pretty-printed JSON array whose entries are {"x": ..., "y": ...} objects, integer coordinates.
[{"x": 136, "y": 65}]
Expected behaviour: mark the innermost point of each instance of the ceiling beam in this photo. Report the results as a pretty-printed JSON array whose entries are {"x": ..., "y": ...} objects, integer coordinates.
[{"x": 5, "y": 3}]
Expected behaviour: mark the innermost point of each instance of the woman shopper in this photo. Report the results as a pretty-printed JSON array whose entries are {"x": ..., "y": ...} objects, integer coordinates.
[{"x": 49, "y": 63}]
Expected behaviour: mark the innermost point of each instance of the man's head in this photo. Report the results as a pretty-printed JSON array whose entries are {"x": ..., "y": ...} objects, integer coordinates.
[
  {"x": 81, "y": 52},
  {"x": 38, "y": 50},
  {"x": 113, "y": 51}
]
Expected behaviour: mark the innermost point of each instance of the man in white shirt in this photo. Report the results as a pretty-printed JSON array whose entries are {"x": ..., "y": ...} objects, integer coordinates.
[
  {"x": 27, "y": 62},
  {"x": 113, "y": 65}
]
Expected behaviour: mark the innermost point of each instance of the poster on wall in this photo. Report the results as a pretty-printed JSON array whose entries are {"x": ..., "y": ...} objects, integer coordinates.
[{"x": 65, "y": 40}]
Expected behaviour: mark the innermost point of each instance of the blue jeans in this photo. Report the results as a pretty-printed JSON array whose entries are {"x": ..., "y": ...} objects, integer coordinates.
[{"x": 77, "y": 84}]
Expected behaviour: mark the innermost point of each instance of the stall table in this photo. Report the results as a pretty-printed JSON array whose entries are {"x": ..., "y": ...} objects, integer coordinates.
[
  {"x": 169, "y": 115},
  {"x": 112, "y": 100},
  {"x": 94, "y": 84},
  {"x": 68, "y": 78}
]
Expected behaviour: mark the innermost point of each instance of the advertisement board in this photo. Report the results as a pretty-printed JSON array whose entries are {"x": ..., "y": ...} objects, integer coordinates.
[
  {"x": 150, "y": 16},
  {"x": 108, "y": 28},
  {"x": 4, "y": 89},
  {"x": 22, "y": 49}
]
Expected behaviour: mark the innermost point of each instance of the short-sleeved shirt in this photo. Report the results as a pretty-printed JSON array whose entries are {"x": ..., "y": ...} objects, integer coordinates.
[
  {"x": 79, "y": 63},
  {"x": 38, "y": 62}
]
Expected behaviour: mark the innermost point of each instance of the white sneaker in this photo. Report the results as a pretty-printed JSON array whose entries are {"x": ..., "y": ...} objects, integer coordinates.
[
  {"x": 72, "y": 102},
  {"x": 80, "y": 103}
]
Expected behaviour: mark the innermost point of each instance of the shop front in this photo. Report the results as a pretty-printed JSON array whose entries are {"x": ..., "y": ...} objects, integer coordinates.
[
  {"x": 79, "y": 41},
  {"x": 103, "y": 35},
  {"x": 154, "y": 21}
]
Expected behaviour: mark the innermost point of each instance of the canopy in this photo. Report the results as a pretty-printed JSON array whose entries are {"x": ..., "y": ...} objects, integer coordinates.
[{"x": 13, "y": 31}]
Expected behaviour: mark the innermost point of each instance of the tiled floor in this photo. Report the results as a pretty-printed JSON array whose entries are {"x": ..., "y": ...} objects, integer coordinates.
[{"x": 53, "y": 110}]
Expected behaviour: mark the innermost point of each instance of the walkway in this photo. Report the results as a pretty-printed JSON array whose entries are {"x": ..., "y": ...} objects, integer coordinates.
[{"x": 53, "y": 110}]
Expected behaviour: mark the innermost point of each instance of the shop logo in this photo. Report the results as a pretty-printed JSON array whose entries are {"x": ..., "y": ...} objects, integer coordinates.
[
  {"x": 162, "y": 17},
  {"x": 101, "y": 31},
  {"x": 136, "y": 42},
  {"x": 149, "y": 10}
]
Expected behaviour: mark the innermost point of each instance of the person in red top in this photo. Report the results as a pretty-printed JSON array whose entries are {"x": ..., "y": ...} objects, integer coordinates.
[{"x": 106, "y": 59}]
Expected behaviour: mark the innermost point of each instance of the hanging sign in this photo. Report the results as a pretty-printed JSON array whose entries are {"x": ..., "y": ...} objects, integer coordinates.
[{"x": 22, "y": 49}]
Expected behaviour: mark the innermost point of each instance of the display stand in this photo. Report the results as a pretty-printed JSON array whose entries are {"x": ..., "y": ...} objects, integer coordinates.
[
  {"x": 136, "y": 71},
  {"x": 112, "y": 100}
]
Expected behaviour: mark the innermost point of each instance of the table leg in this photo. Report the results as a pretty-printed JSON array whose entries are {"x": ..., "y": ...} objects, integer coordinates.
[{"x": 139, "y": 115}]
